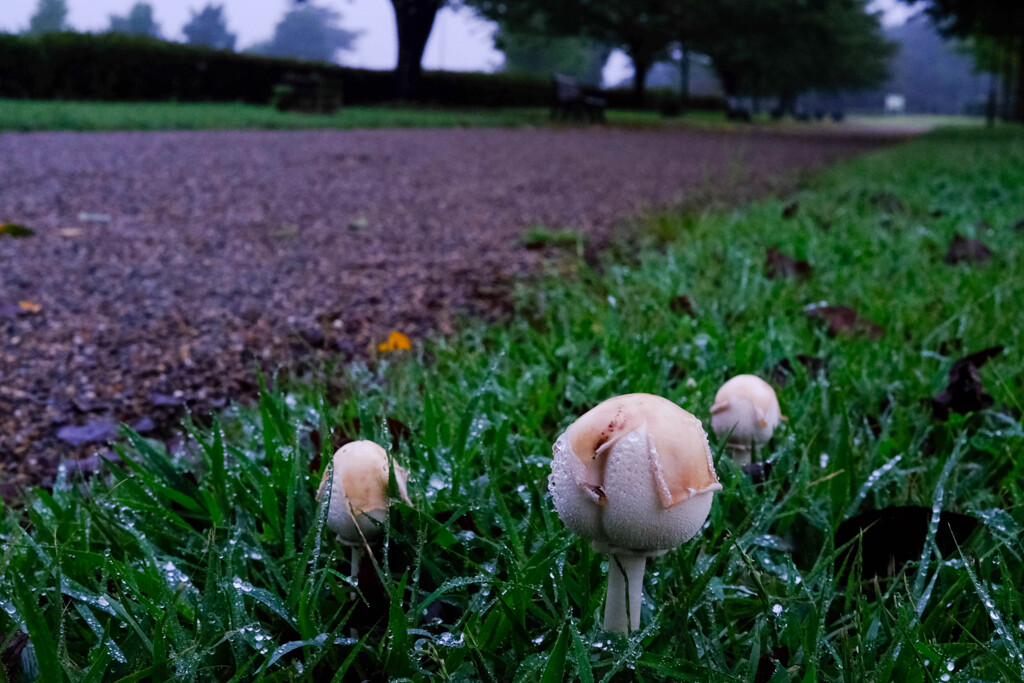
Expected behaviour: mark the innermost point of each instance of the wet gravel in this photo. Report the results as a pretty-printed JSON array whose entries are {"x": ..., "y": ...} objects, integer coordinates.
[{"x": 165, "y": 267}]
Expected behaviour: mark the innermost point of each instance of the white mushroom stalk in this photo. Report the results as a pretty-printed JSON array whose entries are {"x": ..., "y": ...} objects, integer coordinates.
[
  {"x": 746, "y": 412},
  {"x": 634, "y": 476},
  {"x": 359, "y": 494}
]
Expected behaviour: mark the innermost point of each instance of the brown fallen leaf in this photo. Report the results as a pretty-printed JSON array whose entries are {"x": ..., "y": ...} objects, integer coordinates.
[
  {"x": 844, "y": 320},
  {"x": 778, "y": 265},
  {"x": 966, "y": 250},
  {"x": 791, "y": 210},
  {"x": 1019, "y": 226},
  {"x": 964, "y": 392},
  {"x": 887, "y": 202},
  {"x": 682, "y": 304},
  {"x": 29, "y": 306}
]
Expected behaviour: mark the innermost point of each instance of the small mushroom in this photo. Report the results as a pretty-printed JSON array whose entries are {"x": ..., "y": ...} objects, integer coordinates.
[
  {"x": 358, "y": 494},
  {"x": 746, "y": 411},
  {"x": 634, "y": 476}
]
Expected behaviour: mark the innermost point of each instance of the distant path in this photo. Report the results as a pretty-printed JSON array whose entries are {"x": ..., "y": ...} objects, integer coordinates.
[{"x": 227, "y": 248}]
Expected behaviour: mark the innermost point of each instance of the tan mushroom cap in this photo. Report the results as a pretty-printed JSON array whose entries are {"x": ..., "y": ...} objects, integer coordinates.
[
  {"x": 756, "y": 393},
  {"x": 360, "y": 488},
  {"x": 683, "y": 453}
]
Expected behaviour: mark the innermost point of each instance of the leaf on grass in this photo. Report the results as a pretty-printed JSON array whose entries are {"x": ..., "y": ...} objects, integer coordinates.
[
  {"x": 777, "y": 265},
  {"x": 757, "y": 471},
  {"x": 887, "y": 202},
  {"x": 15, "y": 230},
  {"x": 896, "y": 535},
  {"x": 10, "y": 659},
  {"x": 396, "y": 342},
  {"x": 791, "y": 210},
  {"x": 844, "y": 320},
  {"x": 90, "y": 432},
  {"x": 29, "y": 306},
  {"x": 682, "y": 304},
  {"x": 783, "y": 371},
  {"x": 966, "y": 250},
  {"x": 964, "y": 393}
]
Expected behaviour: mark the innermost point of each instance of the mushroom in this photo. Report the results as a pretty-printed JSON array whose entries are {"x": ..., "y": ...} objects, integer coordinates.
[
  {"x": 634, "y": 476},
  {"x": 746, "y": 411},
  {"x": 358, "y": 492}
]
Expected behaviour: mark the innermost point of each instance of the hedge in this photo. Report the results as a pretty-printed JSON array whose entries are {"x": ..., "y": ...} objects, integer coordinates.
[{"x": 121, "y": 67}]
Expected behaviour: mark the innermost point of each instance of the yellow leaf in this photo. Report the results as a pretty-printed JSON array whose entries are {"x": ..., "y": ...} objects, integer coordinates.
[
  {"x": 30, "y": 306},
  {"x": 396, "y": 341}
]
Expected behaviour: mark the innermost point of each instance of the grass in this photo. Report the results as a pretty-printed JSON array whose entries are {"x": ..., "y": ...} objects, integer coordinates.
[
  {"x": 214, "y": 564},
  {"x": 41, "y": 115}
]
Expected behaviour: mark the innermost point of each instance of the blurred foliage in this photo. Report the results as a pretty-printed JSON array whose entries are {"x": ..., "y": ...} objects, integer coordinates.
[
  {"x": 50, "y": 17},
  {"x": 208, "y": 28},
  {"x": 122, "y": 67},
  {"x": 138, "y": 22},
  {"x": 307, "y": 31},
  {"x": 543, "y": 56}
]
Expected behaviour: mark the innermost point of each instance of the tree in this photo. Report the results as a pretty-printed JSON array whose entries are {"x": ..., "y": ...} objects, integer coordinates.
[
  {"x": 50, "y": 17},
  {"x": 1002, "y": 20},
  {"x": 581, "y": 58},
  {"x": 309, "y": 32},
  {"x": 787, "y": 47},
  {"x": 414, "y": 20},
  {"x": 139, "y": 21},
  {"x": 642, "y": 28},
  {"x": 209, "y": 28}
]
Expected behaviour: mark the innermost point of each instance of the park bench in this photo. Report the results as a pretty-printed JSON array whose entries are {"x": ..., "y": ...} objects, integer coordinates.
[
  {"x": 573, "y": 102},
  {"x": 308, "y": 93}
]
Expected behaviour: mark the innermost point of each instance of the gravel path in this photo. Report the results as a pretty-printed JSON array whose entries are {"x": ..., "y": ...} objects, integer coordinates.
[{"x": 166, "y": 265}]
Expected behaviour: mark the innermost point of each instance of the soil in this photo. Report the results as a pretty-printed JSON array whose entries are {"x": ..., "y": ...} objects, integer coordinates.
[{"x": 166, "y": 267}]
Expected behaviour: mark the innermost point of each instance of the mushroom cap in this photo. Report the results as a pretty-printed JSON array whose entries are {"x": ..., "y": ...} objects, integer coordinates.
[
  {"x": 359, "y": 491},
  {"x": 634, "y": 475},
  {"x": 747, "y": 409}
]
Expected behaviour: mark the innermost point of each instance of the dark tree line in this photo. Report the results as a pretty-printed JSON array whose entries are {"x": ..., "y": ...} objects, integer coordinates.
[{"x": 997, "y": 29}]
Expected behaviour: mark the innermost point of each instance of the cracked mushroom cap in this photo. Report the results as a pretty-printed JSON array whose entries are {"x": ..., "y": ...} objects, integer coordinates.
[
  {"x": 747, "y": 407},
  {"x": 634, "y": 475},
  {"x": 359, "y": 491}
]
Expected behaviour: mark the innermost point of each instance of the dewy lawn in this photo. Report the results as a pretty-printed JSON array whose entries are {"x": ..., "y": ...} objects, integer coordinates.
[{"x": 879, "y": 540}]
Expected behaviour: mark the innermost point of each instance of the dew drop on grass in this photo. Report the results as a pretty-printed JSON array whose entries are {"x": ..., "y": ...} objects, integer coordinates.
[
  {"x": 777, "y": 609},
  {"x": 950, "y": 665},
  {"x": 944, "y": 677},
  {"x": 823, "y": 460}
]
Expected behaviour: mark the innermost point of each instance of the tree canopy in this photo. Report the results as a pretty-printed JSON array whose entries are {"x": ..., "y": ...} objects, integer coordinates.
[
  {"x": 543, "y": 56},
  {"x": 139, "y": 21},
  {"x": 208, "y": 27},
  {"x": 50, "y": 16},
  {"x": 998, "y": 28},
  {"x": 308, "y": 31}
]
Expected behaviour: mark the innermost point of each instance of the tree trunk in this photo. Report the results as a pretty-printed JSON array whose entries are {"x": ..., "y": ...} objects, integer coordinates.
[
  {"x": 415, "y": 19},
  {"x": 1018, "y": 109},
  {"x": 684, "y": 80},
  {"x": 640, "y": 68}
]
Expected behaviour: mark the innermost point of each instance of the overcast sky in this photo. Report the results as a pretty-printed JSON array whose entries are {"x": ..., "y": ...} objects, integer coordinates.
[{"x": 459, "y": 41}]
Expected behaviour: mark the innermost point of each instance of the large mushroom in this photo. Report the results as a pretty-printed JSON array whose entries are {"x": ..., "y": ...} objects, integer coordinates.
[
  {"x": 745, "y": 412},
  {"x": 634, "y": 476}
]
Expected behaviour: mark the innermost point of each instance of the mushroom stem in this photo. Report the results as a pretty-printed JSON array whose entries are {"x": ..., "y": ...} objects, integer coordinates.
[
  {"x": 353, "y": 562},
  {"x": 625, "y": 590},
  {"x": 741, "y": 454}
]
